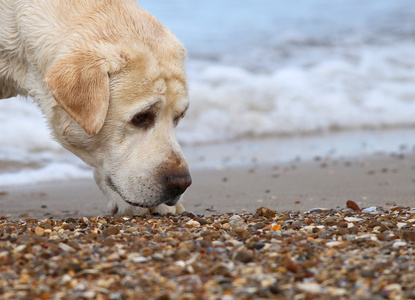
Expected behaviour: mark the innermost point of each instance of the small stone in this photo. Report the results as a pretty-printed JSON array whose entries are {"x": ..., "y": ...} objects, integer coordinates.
[
  {"x": 369, "y": 209},
  {"x": 112, "y": 230},
  {"x": 352, "y": 205},
  {"x": 334, "y": 244},
  {"x": 108, "y": 242},
  {"x": 309, "y": 287},
  {"x": 399, "y": 244},
  {"x": 353, "y": 219},
  {"x": 188, "y": 214},
  {"x": 193, "y": 223},
  {"x": 258, "y": 245},
  {"x": 401, "y": 225},
  {"x": 39, "y": 231},
  {"x": 266, "y": 212},
  {"x": 74, "y": 244},
  {"x": 202, "y": 221},
  {"x": 235, "y": 219},
  {"x": 408, "y": 235},
  {"x": 92, "y": 235},
  {"x": 259, "y": 225},
  {"x": 374, "y": 224},
  {"x": 244, "y": 256},
  {"x": 140, "y": 259},
  {"x": 70, "y": 220},
  {"x": 383, "y": 228},
  {"x": 368, "y": 273},
  {"x": 343, "y": 231},
  {"x": 66, "y": 247}
]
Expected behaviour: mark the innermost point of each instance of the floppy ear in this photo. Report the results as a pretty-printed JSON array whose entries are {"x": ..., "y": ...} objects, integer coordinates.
[{"x": 80, "y": 84}]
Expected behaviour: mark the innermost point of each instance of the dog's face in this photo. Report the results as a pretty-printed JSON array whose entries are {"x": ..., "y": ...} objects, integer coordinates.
[
  {"x": 142, "y": 160},
  {"x": 117, "y": 110}
]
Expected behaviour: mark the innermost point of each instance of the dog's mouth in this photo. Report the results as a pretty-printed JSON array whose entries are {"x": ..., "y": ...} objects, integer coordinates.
[{"x": 170, "y": 201}]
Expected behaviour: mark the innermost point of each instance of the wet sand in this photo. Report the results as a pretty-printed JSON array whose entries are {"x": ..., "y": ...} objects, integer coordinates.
[{"x": 375, "y": 180}]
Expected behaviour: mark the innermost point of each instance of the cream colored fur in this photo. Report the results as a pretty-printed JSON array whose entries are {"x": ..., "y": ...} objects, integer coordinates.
[{"x": 92, "y": 66}]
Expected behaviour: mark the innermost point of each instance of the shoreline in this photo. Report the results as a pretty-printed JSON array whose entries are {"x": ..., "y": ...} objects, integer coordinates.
[{"x": 374, "y": 180}]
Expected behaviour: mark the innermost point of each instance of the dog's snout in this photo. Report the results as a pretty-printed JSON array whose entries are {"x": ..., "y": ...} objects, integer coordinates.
[{"x": 177, "y": 183}]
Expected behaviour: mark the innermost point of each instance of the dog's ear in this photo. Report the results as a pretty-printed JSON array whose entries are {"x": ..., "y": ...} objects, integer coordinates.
[{"x": 80, "y": 84}]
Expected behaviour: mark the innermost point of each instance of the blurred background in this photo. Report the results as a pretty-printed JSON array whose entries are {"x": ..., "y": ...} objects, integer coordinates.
[
  {"x": 272, "y": 67},
  {"x": 282, "y": 74}
]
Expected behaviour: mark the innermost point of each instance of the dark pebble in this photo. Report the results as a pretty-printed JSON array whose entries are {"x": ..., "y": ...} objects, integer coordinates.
[
  {"x": 70, "y": 220},
  {"x": 408, "y": 235},
  {"x": 367, "y": 273},
  {"x": 259, "y": 225},
  {"x": 258, "y": 245},
  {"x": 244, "y": 256}
]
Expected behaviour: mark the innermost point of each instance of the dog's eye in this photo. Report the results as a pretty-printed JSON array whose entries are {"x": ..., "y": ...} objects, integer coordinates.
[
  {"x": 144, "y": 120},
  {"x": 177, "y": 119}
]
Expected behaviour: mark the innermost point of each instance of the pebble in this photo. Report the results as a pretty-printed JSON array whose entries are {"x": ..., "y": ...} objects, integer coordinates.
[
  {"x": 309, "y": 287},
  {"x": 266, "y": 212},
  {"x": 140, "y": 259},
  {"x": 244, "y": 256},
  {"x": 66, "y": 247},
  {"x": 352, "y": 205},
  {"x": 408, "y": 235},
  {"x": 399, "y": 244},
  {"x": 112, "y": 230},
  {"x": 193, "y": 223},
  {"x": 369, "y": 209},
  {"x": 235, "y": 219},
  {"x": 353, "y": 219}
]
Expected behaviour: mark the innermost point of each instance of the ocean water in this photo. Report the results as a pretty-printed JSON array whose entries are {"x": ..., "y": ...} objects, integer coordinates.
[{"x": 266, "y": 68}]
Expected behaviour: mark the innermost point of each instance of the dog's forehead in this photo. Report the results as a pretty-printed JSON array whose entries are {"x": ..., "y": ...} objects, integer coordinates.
[{"x": 144, "y": 81}]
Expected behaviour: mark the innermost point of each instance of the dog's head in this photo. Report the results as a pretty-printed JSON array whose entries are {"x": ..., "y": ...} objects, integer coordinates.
[{"x": 117, "y": 107}]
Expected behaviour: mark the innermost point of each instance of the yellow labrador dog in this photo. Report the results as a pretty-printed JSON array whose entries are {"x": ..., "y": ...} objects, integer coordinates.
[{"x": 110, "y": 79}]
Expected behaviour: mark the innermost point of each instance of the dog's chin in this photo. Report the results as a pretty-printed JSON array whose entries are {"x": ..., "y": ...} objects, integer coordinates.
[
  {"x": 172, "y": 201},
  {"x": 169, "y": 201}
]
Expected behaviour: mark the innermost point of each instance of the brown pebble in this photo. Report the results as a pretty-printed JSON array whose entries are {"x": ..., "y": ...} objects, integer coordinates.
[
  {"x": 113, "y": 230},
  {"x": 342, "y": 224},
  {"x": 352, "y": 205},
  {"x": 189, "y": 214},
  {"x": 374, "y": 224},
  {"x": 383, "y": 228},
  {"x": 266, "y": 212},
  {"x": 353, "y": 230},
  {"x": 163, "y": 297},
  {"x": 343, "y": 231},
  {"x": 92, "y": 235},
  {"x": 244, "y": 256},
  {"x": 259, "y": 225},
  {"x": 398, "y": 208},
  {"x": 408, "y": 235},
  {"x": 109, "y": 242},
  {"x": 74, "y": 244},
  {"x": 202, "y": 221},
  {"x": 46, "y": 226},
  {"x": 381, "y": 237}
]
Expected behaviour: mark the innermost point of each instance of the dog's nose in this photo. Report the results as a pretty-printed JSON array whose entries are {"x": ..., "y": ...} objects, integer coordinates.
[{"x": 177, "y": 183}]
